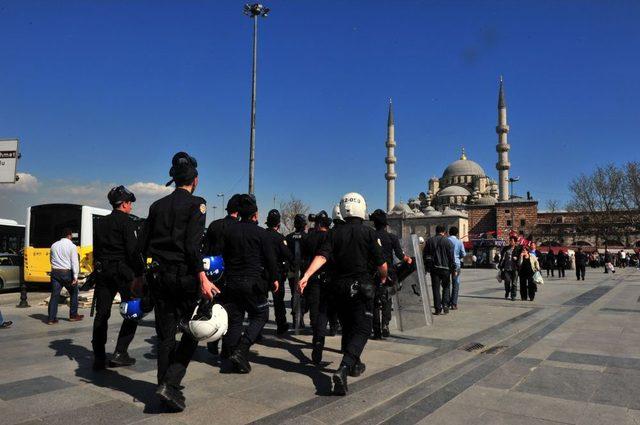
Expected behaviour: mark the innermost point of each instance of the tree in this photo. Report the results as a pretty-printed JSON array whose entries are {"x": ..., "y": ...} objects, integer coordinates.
[
  {"x": 552, "y": 205},
  {"x": 289, "y": 209},
  {"x": 599, "y": 194}
]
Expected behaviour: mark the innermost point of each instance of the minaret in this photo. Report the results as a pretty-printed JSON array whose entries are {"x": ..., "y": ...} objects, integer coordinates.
[
  {"x": 502, "y": 147},
  {"x": 391, "y": 175}
]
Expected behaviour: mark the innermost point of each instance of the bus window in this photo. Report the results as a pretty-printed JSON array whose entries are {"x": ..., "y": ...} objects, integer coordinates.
[{"x": 48, "y": 221}]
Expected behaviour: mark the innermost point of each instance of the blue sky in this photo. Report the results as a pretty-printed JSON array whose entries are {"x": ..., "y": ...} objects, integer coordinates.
[{"x": 104, "y": 92}]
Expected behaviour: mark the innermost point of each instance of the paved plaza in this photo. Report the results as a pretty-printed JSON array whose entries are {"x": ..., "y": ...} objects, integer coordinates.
[{"x": 572, "y": 356}]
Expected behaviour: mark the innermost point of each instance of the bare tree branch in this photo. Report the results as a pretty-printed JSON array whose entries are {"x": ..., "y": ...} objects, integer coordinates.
[{"x": 289, "y": 209}]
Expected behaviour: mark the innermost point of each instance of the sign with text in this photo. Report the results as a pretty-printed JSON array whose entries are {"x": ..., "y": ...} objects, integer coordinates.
[{"x": 8, "y": 160}]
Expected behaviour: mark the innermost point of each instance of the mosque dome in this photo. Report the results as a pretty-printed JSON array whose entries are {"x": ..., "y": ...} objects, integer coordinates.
[
  {"x": 463, "y": 167},
  {"x": 486, "y": 200},
  {"x": 431, "y": 212},
  {"x": 400, "y": 209},
  {"x": 454, "y": 191},
  {"x": 450, "y": 212}
]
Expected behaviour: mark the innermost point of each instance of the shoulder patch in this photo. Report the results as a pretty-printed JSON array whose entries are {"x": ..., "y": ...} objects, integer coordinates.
[
  {"x": 284, "y": 241},
  {"x": 379, "y": 243},
  {"x": 203, "y": 208}
]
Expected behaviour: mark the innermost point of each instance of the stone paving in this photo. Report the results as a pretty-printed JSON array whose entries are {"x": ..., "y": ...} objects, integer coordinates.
[{"x": 571, "y": 357}]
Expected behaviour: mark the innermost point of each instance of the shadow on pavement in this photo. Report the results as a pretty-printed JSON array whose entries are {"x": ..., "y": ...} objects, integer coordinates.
[{"x": 140, "y": 390}]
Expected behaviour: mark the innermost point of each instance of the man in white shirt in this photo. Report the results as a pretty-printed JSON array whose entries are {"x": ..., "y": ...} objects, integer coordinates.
[{"x": 64, "y": 272}]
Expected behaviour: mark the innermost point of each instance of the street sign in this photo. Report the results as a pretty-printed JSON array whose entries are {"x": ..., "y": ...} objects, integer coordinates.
[{"x": 8, "y": 160}]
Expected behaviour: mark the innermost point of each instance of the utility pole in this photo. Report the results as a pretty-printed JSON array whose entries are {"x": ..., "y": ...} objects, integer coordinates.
[{"x": 254, "y": 11}]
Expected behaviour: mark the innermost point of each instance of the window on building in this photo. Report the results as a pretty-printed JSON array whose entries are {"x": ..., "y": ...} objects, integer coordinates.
[
  {"x": 507, "y": 211},
  {"x": 508, "y": 222},
  {"x": 523, "y": 222}
]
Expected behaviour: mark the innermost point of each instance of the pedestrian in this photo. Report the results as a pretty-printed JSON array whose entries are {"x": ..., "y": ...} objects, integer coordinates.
[
  {"x": 251, "y": 271},
  {"x": 458, "y": 255},
  {"x": 528, "y": 265},
  {"x": 295, "y": 241},
  {"x": 533, "y": 250},
  {"x": 173, "y": 238},
  {"x": 4, "y": 324},
  {"x": 283, "y": 259},
  {"x": 64, "y": 273},
  {"x": 623, "y": 258},
  {"x": 317, "y": 292},
  {"x": 355, "y": 249},
  {"x": 550, "y": 262},
  {"x": 213, "y": 247},
  {"x": 563, "y": 262},
  {"x": 581, "y": 264},
  {"x": 607, "y": 261},
  {"x": 440, "y": 263},
  {"x": 118, "y": 269},
  {"x": 508, "y": 267},
  {"x": 382, "y": 301}
]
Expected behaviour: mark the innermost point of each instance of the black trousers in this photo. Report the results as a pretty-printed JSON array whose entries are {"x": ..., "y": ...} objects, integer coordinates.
[
  {"x": 381, "y": 308},
  {"x": 528, "y": 287},
  {"x": 293, "y": 285},
  {"x": 441, "y": 287},
  {"x": 561, "y": 271},
  {"x": 279, "y": 308},
  {"x": 580, "y": 272},
  {"x": 109, "y": 282},
  {"x": 510, "y": 278},
  {"x": 176, "y": 297},
  {"x": 353, "y": 300},
  {"x": 318, "y": 299},
  {"x": 245, "y": 296},
  {"x": 550, "y": 269}
]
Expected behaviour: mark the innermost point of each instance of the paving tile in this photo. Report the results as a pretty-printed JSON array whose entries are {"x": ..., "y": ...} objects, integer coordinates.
[
  {"x": 502, "y": 418},
  {"x": 29, "y": 387},
  {"x": 223, "y": 410},
  {"x": 618, "y": 390},
  {"x": 61, "y": 401},
  {"x": 598, "y": 414},
  {"x": 541, "y": 407},
  {"x": 510, "y": 374},
  {"x": 278, "y": 394},
  {"x": 110, "y": 412},
  {"x": 455, "y": 413},
  {"x": 12, "y": 413},
  {"x": 564, "y": 383}
]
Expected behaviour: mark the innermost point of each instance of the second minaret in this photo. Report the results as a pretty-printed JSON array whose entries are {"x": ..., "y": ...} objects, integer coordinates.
[{"x": 391, "y": 175}]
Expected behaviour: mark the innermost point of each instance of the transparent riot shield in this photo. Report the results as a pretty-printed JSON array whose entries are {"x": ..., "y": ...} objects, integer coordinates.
[{"x": 411, "y": 298}]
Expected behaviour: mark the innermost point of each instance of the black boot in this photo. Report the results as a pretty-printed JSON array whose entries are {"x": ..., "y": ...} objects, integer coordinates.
[
  {"x": 239, "y": 357},
  {"x": 171, "y": 396},
  {"x": 340, "y": 380},
  {"x": 357, "y": 369},
  {"x": 385, "y": 332},
  {"x": 121, "y": 359},
  {"x": 316, "y": 353},
  {"x": 282, "y": 330}
]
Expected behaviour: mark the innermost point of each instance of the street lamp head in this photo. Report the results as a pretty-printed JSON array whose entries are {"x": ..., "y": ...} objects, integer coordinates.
[
  {"x": 256, "y": 9},
  {"x": 514, "y": 179},
  {"x": 220, "y": 194}
]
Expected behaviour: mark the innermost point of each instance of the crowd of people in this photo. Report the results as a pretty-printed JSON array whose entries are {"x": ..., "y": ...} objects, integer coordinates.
[{"x": 339, "y": 271}]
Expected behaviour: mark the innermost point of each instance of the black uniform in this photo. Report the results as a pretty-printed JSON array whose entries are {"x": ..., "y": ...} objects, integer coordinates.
[
  {"x": 295, "y": 242},
  {"x": 173, "y": 238},
  {"x": 317, "y": 293},
  {"x": 382, "y": 302},
  {"x": 355, "y": 250},
  {"x": 213, "y": 246},
  {"x": 250, "y": 269},
  {"x": 118, "y": 261},
  {"x": 581, "y": 264},
  {"x": 283, "y": 258}
]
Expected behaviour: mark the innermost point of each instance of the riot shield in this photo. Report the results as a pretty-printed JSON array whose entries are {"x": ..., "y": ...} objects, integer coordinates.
[{"x": 411, "y": 299}]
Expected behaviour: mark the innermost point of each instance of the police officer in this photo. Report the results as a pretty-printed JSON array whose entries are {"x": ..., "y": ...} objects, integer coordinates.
[
  {"x": 316, "y": 294},
  {"x": 213, "y": 246},
  {"x": 173, "y": 238},
  {"x": 295, "y": 241},
  {"x": 354, "y": 248},
  {"x": 251, "y": 271},
  {"x": 117, "y": 261},
  {"x": 283, "y": 258},
  {"x": 382, "y": 302}
]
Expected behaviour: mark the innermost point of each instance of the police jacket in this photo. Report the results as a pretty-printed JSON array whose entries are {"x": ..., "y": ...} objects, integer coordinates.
[
  {"x": 115, "y": 239},
  {"x": 248, "y": 252},
  {"x": 310, "y": 247},
  {"x": 295, "y": 242},
  {"x": 354, "y": 249},
  {"x": 174, "y": 230},
  {"x": 215, "y": 232},
  {"x": 281, "y": 251},
  {"x": 438, "y": 251},
  {"x": 390, "y": 245}
]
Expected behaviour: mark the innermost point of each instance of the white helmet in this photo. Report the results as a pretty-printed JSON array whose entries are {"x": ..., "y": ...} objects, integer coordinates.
[
  {"x": 208, "y": 325},
  {"x": 353, "y": 204},
  {"x": 335, "y": 214}
]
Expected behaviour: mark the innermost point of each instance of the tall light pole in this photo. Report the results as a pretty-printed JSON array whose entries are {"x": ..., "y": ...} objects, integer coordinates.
[
  {"x": 221, "y": 195},
  {"x": 254, "y": 11}
]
